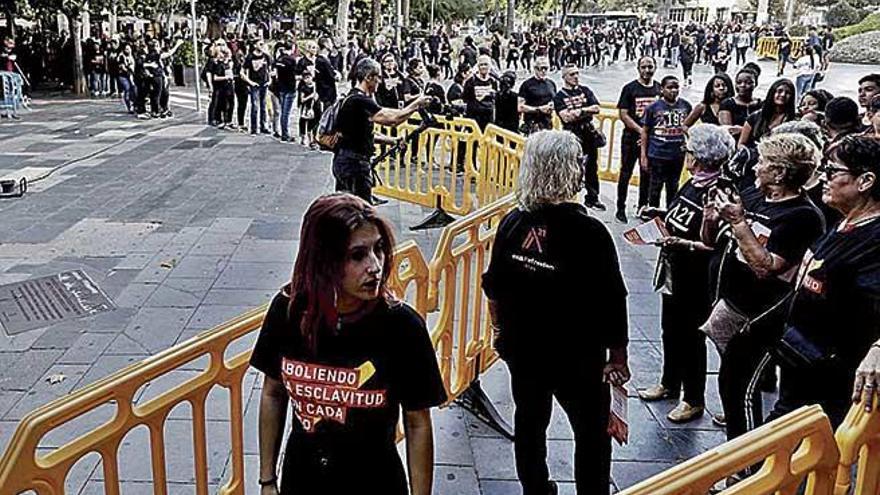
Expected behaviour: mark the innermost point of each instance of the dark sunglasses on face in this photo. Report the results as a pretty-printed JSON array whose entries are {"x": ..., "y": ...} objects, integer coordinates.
[{"x": 542, "y": 67}]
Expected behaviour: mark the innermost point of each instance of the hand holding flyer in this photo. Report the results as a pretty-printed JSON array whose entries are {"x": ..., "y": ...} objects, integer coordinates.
[
  {"x": 649, "y": 232},
  {"x": 618, "y": 427}
]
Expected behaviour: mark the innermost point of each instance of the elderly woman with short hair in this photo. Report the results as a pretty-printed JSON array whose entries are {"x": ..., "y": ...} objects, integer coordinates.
[
  {"x": 558, "y": 307},
  {"x": 683, "y": 267},
  {"x": 752, "y": 277},
  {"x": 834, "y": 320}
]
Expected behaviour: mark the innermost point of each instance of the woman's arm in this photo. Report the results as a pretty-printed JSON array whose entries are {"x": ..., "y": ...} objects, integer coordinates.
[
  {"x": 419, "y": 450},
  {"x": 745, "y": 134},
  {"x": 695, "y": 114},
  {"x": 868, "y": 377},
  {"x": 761, "y": 261},
  {"x": 273, "y": 412}
]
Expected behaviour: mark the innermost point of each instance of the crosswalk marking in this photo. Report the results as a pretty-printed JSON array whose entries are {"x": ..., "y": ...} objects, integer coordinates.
[{"x": 185, "y": 97}]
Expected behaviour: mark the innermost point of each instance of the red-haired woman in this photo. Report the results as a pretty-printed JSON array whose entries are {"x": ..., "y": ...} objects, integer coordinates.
[{"x": 347, "y": 356}]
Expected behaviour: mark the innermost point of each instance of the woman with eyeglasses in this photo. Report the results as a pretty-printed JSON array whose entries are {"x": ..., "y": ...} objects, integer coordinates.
[
  {"x": 683, "y": 277},
  {"x": 348, "y": 359},
  {"x": 756, "y": 256},
  {"x": 833, "y": 321}
]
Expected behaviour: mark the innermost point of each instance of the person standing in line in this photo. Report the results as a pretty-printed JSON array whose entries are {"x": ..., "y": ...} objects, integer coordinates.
[
  {"x": 126, "y": 67},
  {"x": 687, "y": 54},
  {"x": 285, "y": 72},
  {"x": 543, "y": 252},
  {"x": 307, "y": 102},
  {"x": 734, "y": 111},
  {"x": 536, "y": 98},
  {"x": 221, "y": 76},
  {"x": 663, "y": 135},
  {"x": 242, "y": 90},
  {"x": 635, "y": 97},
  {"x": 576, "y": 105},
  {"x": 255, "y": 72},
  {"x": 479, "y": 93},
  {"x": 325, "y": 75}
]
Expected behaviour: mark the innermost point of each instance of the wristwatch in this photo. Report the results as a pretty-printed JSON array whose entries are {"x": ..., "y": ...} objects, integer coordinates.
[{"x": 269, "y": 482}]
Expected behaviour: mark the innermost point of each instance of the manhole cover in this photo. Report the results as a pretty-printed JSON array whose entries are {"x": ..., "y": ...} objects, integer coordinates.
[{"x": 44, "y": 301}]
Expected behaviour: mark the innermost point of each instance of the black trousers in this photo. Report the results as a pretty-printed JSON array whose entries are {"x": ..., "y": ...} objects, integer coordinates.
[
  {"x": 353, "y": 174},
  {"x": 629, "y": 156},
  {"x": 684, "y": 348},
  {"x": 739, "y": 377},
  {"x": 140, "y": 103},
  {"x": 241, "y": 101},
  {"x": 585, "y": 400},
  {"x": 222, "y": 100},
  {"x": 829, "y": 385},
  {"x": 590, "y": 161},
  {"x": 664, "y": 173}
]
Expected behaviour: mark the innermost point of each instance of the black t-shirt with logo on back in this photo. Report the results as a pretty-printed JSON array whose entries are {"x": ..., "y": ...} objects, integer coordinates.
[
  {"x": 346, "y": 401},
  {"x": 635, "y": 97},
  {"x": 552, "y": 271}
]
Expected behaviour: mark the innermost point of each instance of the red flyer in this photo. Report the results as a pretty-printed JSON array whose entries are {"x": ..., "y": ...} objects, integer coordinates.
[
  {"x": 618, "y": 427},
  {"x": 647, "y": 233}
]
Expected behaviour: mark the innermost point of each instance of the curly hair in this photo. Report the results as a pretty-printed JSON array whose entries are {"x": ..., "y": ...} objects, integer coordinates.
[{"x": 793, "y": 152}]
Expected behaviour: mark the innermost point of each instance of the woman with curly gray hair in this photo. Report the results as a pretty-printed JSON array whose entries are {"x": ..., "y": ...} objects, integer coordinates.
[
  {"x": 683, "y": 277},
  {"x": 553, "y": 268}
]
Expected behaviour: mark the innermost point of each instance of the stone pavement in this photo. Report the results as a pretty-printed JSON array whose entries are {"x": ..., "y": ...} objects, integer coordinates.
[{"x": 186, "y": 226}]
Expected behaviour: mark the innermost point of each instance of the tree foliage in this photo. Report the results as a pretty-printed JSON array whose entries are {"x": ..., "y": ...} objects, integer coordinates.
[{"x": 842, "y": 14}]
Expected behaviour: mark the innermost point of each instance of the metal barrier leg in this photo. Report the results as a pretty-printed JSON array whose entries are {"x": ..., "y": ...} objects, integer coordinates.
[
  {"x": 475, "y": 401},
  {"x": 439, "y": 218}
]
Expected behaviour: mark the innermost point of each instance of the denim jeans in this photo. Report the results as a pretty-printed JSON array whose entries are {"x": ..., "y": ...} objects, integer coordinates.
[
  {"x": 287, "y": 99},
  {"x": 129, "y": 92},
  {"x": 97, "y": 83},
  {"x": 258, "y": 104},
  {"x": 803, "y": 83}
]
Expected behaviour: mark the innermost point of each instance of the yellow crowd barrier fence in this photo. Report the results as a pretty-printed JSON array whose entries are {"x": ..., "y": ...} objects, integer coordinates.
[
  {"x": 768, "y": 47},
  {"x": 859, "y": 441},
  {"x": 793, "y": 448},
  {"x": 500, "y": 154}
]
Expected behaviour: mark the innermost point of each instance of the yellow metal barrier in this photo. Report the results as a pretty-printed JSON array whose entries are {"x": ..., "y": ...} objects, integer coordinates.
[
  {"x": 501, "y": 152},
  {"x": 461, "y": 335},
  {"x": 426, "y": 172},
  {"x": 859, "y": 440},
  {"x": 608, "y": 121},
  {"x": 768, "y": 47},
  {"x": 795, "y": 447},
  {"x": 26, "y": 466}
]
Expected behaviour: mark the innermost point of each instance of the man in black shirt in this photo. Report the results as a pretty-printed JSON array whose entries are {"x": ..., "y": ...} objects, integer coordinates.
[
  {"x": 479, "y": 93},
  {"x": 285, "y": 71},
  {"x": 536, "y": 98},
  {"x": 576, "y": 106},
  {"x": 468, "y": 54},
  {"x": 635, "y": 97},
  {"x": 357, "y": 114},
  {"x": 255, "y": 72},
  {"x": 325, "y": 74}
]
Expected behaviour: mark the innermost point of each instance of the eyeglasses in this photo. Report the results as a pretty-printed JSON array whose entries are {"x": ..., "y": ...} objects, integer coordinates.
[
  {"x": 543, "y": 67},
  {"x": 829, "y": 170}
]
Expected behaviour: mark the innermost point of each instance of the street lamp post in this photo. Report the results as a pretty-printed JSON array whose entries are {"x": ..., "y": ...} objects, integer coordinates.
[{"x": 195, "y": 40}]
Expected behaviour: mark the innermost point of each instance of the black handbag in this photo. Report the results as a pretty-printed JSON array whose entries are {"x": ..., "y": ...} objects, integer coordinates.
[{"x": 798, "y": 351}]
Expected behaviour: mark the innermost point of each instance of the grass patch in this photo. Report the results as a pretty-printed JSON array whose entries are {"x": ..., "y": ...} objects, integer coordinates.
[{"x": 870, "y": 23}]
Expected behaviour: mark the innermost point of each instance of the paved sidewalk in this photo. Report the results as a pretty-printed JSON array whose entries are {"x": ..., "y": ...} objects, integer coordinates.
[{"x": 186, "y": 226}]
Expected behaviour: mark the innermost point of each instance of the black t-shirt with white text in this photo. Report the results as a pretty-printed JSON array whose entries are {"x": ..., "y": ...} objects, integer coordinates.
[
  {"x": 536, "y": 93},
  {"x": 389, "y": 94},
  {"x": 354, "y": 123},
  {"x": 257, "y": 68},
  {"x": 690, "y": 269},
  {"x": 635, "y": 98},
  {"x": 551, "y": 272},
  {"x": 346, "y": 399},
  {"x": 479, "y": 95},
  {"x": 574, "y": 99}
]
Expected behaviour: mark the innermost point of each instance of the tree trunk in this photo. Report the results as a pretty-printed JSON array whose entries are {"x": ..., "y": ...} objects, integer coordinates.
[
  {"x": 79, "y": 79},
  {"x": 405, "y": 14},
  {"x": 113, "y": 20},
  {"x": 342, "y": 8},
  {"x": 242, "y": 20},
  {"x": 376, "y": 20},
  {"x": 565, "y": 6},
  {"x": 511, "y": 13}
]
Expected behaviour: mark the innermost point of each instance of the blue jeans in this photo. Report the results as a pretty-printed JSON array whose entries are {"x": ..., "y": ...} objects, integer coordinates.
[
  {"x": 129, "y": 92},
  {"x": 804, "y": 83},
  {"x": 287, "y": 99},
  {"x": 258, "y": 104}
]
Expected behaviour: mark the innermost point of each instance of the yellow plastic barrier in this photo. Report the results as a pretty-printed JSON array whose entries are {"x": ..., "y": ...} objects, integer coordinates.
[
  {"x": 461, "y": 335},
  {"x": 27, "y": 466},
  {"x": 797, "y": 446},
  {"x": 426, "y": 171},
  {"x": 608, "y": 121},
  {"x": 768, "y": 47},
  {"x": 500, "y": 154},
  {"x": 859, "y": 440}
]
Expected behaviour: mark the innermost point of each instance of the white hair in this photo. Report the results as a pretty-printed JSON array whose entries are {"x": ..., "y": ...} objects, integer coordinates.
[
  {"x": 550, "y": 171},
  {"x": 711, "y": 145}
]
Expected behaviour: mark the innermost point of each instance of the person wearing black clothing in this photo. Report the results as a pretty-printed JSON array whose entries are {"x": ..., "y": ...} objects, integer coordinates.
[
  {"x": 513, "y": 54},
  {"x": 413, "y": 84},
  {"x": 325, "y": 74},
  {"x": 551, "y": 264},
  {"x": 222, "y": 77},
  {"x": 390, "y": 91},
  {"x": 576, "y": 106},
  {"x": 536, "y": 98},
  {"x": 495, "y": 49},
  {"x": 734, "y": 111},
  {"x": 753, "y": 269},
  {"x": 687, "y": 54},
  {"x": 285, "y": 70},
  {"x": 507, "y": 103},
  {"x": 348, "y": 369},
  {"x": 354, "y": 123},
  {"x": 718, "y": 89},
  {"x": 838, "y": 287},
  {"x": 635, "y": 97},
  {"x": 683, "y": 278},
  {"x": 777, "y": 107},
  {"x": 434, "y": 48},
  {"x": 526, "y": 50},
  {"x": 468, "y": 54},
  {"x": 241, "y": 88},
  {"x": 479, "y": 94},
  {"x": 445, "y": 54},
  {"x": 154, "y": 65},
  {"x": 255, "y": 72}
]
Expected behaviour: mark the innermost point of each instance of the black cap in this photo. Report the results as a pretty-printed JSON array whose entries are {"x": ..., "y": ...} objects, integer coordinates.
[{"x": 842, "y": 113}]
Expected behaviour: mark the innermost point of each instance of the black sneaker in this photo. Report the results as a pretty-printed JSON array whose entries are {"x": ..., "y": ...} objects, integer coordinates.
[
  {"x": 595, "y": 204},
  {"x": 378, "y": 201},
  {"x": 621, "y": 216},
  {"x": 552, "y": 488}
]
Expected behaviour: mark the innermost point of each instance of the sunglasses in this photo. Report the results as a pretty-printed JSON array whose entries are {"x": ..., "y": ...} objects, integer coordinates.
[{"x": 543, "y": 67}]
